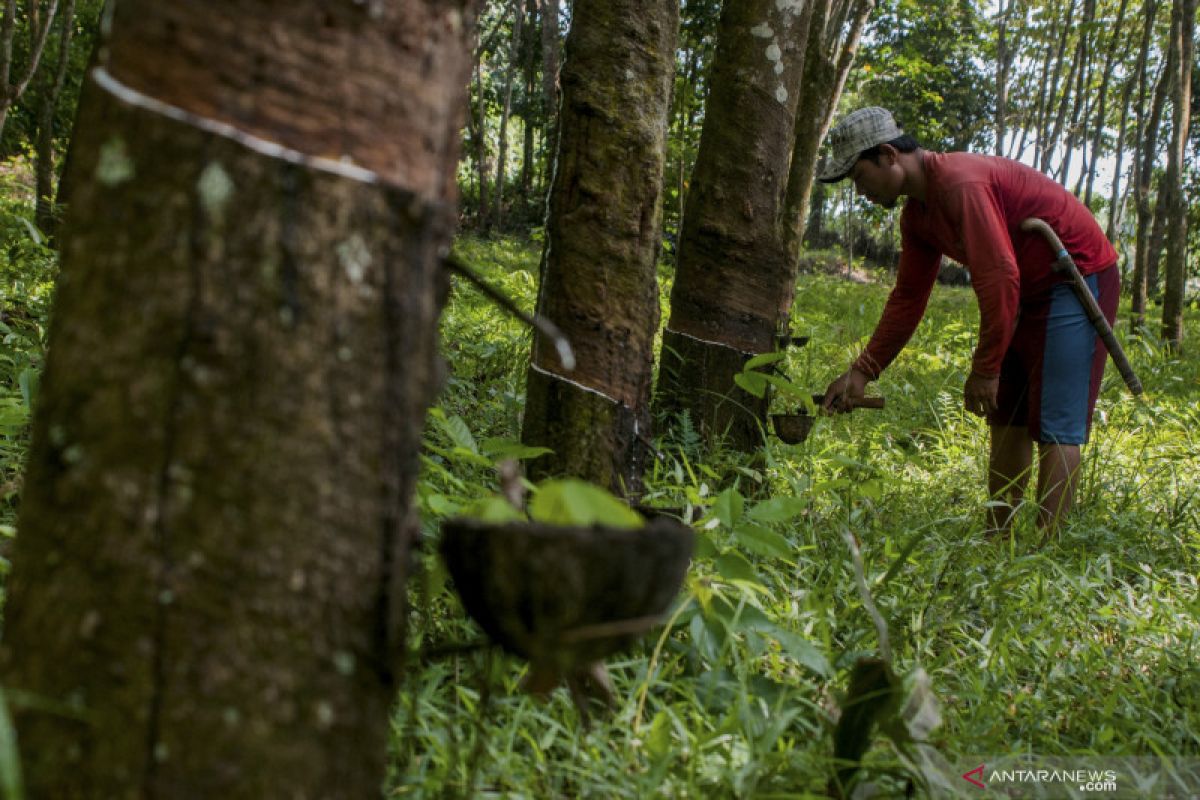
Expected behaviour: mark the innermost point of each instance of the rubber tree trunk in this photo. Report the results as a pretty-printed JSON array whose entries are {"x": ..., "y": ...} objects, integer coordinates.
[
  {"x": 1147, "y": 154},
  {"x": 44, "y": 147},
  {"x": 1051, "y": 124},
  {"x": 1114, "y": 45},
  {"x": 599, "y": 281},
  {"x": 550, "y": 59},
  {"x": 733, "y": 270},
  {"x": 1183, "y": 26},
  {"x": 828, "y": 57},
  {"x": 1004, "y": 57},
  {"x": 207, "y": 595},
  {"x": 510, "y": 77},
  {"x": 39, "y": 15}
]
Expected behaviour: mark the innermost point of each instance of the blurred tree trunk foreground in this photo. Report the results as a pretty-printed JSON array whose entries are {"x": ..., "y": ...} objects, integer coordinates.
[{"x": 207, "y": 590}]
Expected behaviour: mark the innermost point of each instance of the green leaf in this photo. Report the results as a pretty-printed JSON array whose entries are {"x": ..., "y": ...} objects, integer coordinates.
[
  {"x": 499, "y": 448},
  {"x": 754, "y": 383},
  {"x": 493, "y": 509},
  {"x": 778, "y": 509},
  {"x": 762, "y": 360},
  {"x": 575, "y": 502},
  {"x": 728, "y": 507},
  {"x": 457, "y": 432},
  {"x": 802, "y": 651},
  {"x": 28, "y": 381},
  {"x": 441, "y": 505},
  {"x": 871, "y": 489},
  {"x": 763, "y": 541},
  {"x": 658, "y": 740},
  {"x": 705, "y": 548},
  {"x": 733, "y": 566},
  {"x": 787, "y": 387}
]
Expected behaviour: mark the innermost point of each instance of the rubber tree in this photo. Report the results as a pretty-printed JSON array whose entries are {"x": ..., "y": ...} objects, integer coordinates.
[
  {"x": 207, "y": 591},
  {"x": 13, "y": 83},
  {"x": 52, "y": 87},
  {"x": 1183, "y": 27},
  {"x": 833, "y": 37},
  {"x": 598, "y": 272},
  {"x": 1146, "y": 155},
  {"x": 730, "y": 294}
]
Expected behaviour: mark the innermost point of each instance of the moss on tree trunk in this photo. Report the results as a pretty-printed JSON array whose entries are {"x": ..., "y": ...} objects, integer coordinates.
[
  {"x": 602, "y": 239},
  {"x": 733, "y": 281}
]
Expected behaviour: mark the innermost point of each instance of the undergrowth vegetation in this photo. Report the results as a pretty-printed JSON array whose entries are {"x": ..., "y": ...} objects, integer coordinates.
[
  {"x": 27, "y": 270},
  {"x": 1084, "y": 645}
]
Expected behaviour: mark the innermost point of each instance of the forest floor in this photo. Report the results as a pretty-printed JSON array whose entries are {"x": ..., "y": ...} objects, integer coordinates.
[
  {"x": 1086, "y": 647},
  {"x": 1011, "y": 651}
]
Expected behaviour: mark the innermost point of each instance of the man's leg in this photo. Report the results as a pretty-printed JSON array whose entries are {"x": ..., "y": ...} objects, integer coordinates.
[
  {"x": 1008, "y": 473},
  {"x": 1058, "y": 477}
]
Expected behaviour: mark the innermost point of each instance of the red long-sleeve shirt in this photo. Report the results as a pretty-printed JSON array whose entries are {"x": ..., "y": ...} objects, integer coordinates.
[{"x": 973, "y": 209}]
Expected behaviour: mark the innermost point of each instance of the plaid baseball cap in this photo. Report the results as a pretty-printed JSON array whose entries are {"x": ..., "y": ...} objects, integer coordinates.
[{"x": 857, "y": 131}]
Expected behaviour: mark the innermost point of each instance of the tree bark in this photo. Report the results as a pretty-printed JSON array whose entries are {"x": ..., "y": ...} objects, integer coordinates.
[
  {"x": 207, "y": 596},
  {"x": 734, "y": 274},
  {"x": 529, "y": 114},
  {"x": 1148, "y": 150},
  {"x": 1048, "y": 135},
  {"x": 827, "y": 60},
  {"x": 1003, "y": 62},
  {"x": 1081, "y": 68},
  {"x": 1102, "y": 104},
  {"x": 44, "y": 213},
  {"x": 603, "y": 231},
  {"x": 550, "y": 45},
  {"x": 1037, "y": 122},
  {"x": 42, "y": 18},
  {"x": 510, "y": 77},
  {"x": 477, "y": 120},
  {"x": 1183, "y": 26},
  {"x": 1117, "y": 201}
]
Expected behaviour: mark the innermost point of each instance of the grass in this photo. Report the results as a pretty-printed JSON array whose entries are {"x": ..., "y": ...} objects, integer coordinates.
[{"x": 1086, "y": 645}]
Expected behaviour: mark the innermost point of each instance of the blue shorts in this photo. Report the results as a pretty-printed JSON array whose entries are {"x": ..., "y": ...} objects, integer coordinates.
[{"x": 1051, "y": 374}]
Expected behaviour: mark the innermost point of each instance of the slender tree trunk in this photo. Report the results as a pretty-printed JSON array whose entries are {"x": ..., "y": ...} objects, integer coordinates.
[
  {"x": 1183, "y": 26},
  {"x": 478, "y": 116},
  {"x": 1102, "y": 107},
  {"x": 814, "y": 228},
  {"x": 41, "y": 20},
  {"x": 529, "y": 116},
  {"x": 550, "y": 45},
  {"x": 1145, "y": 214},
  {"x": 510, "y": 77},
  {"x": 1158, "y": 237},
  {"x": 603, "y": 232},
  {"x": 207, "y": 594},
  {"x": 733, "y": 275},
  {"x": 1081, "y": 71},
  {"x": 685, "y": 104},
  {"x": 1003, "y": 62},
  {"x": 44, "y": 162},
  {"x": 827, "y": 60},
  {"x": 1049, "y": 132},
  {"x": 1116, "y": 203},
  {"x": 1039, "y": 112}
]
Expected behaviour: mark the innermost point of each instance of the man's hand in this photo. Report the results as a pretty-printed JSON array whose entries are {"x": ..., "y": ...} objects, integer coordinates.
[
  {"x": 979, "y": 394},
  {"x": 849, "y": 386}
]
